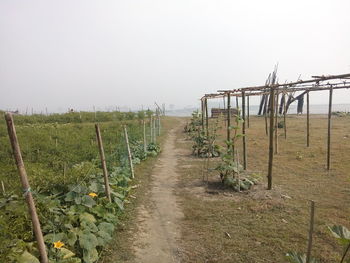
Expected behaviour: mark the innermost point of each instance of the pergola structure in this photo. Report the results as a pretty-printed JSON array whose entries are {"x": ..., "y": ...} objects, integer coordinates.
[{"x": 270, "y": 93}]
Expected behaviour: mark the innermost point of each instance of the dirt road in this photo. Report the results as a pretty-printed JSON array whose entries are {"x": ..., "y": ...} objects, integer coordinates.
[{"x": 156, "y": 240}]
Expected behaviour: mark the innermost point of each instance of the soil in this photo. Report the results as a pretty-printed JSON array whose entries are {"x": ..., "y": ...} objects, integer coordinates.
[{"x": 158, "y": 229}]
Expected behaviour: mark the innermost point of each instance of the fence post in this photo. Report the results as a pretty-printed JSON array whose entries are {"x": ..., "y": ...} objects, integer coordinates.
[
  {"x": 229, "y": 119},
  {"x": 276, "y": 123},
  {"x": 26, "y": 187},
  {"x": 311, "y": 230},
  {"x": 307, "y": 119},
  {"x": 151, "y": 129},
  {"x": 272, "y": 113},
  {"x": 129, "y": 152},
  {"x": 329, "y": 129},
  {"x": 103, "y": 161},
  {"x": 244, "y": 132},
  {"x": 3, "y": 188},
  {"x": 144, "y": 136}
]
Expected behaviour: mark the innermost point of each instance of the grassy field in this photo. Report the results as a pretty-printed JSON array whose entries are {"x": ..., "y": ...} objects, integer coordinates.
[{"x": 259, "y": 225}]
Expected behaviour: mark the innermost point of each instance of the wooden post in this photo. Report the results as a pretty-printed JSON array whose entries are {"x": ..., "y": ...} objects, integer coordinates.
[
  {"x": 159, "y": 124},
  {"x": 311, "y": 230},
  {"x": 329, "y": 129},
  {"x": 144, "y": 136},
  {"x": 307, "y": 119},
  {"x": 206, "y": 117},
  {"x": 248, "y": 111},
  {"x": 154, "y": 129},
  {"x": 228, "y": 118},
  {"x": 276, "y": 124},
  {"x": 26, "y": 187},
  {"x": 243, "y": 132},
  {"x": 272, "y": 115},
  {"x": 285, "y": 116},
  {"x": 3, "y": 188},
  {"x": 129, "y": 153},
  {"x": 151, "y": 129},
  {"x": 103, "y": 161},
  {"x": 265, "y": 114},
  {"x": 64, "y": 172},
  {"x": 202, "y": 108}
]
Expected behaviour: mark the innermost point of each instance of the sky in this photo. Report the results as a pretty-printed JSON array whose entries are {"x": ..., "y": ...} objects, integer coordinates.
[{"x": 82, "y": 53}]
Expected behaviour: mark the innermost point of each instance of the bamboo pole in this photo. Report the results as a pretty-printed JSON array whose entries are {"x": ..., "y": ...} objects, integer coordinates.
[
  {"x": 129, "y": 152},
  {"x": 265, "y": 115},
  {"x": 144, "y": 136},
  {"x": 103, "y": 161},
  {"x": 276, "y": 124},
  {"x": 285, "y": 116},
  {"x": 270, "y": 164},
  {"x": 202, "y": 108},
  {"x": 248, "y": 112},
  {"x": 329, "y": 129},
  {"x": 244, "y": 132},
  {"x": 206, "y": 117},
  {"x": 3, "y": 188},
  {"x": 228, "y": 119},
  {"x": 311, "y": 230},
  {"x": 159, "y": 125},
  {"x": 307, "y": 119},
  {"x": 151, "y": 128},
  {"x": 25, "y": 185},
  {"x": 155, "y": 129}
]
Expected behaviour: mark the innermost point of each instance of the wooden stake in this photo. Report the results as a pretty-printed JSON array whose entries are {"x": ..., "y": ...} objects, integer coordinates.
[
  {"x": 3, "y": 188},
  {"x": 285, "y": 116},
  {"x": 154, "y": 129},
  {"x": 307, "y": 119},
  {"x": 311, "y": 230},
  {"x": 243, "y": 132},
  {"x": 151, "y": 128},
  {"x": 238, "y": 173},
  {"x": 103, "y": 161},
  {"x": 265, "y": 114},
  {"x": 276, "y": 124},
  {"x": 159, "y": 125},
  {"x": 144, "y": 136},
  {"x": 64, "y": 172},
  {"x": 129, "y": 153},
  {"x": 329, "y": 129},
  {"x": 248, "y": 111},
  {"x": 228, "y": 118},
  {"x": 206, "y": 117},
  {"x": 26, "y": 187},
  {"x": 202, "y": 107},
  {"x": 272, "y": 115}
]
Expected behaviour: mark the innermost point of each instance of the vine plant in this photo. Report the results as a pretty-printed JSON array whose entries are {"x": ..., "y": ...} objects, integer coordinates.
[{"x": 229, "y": 167}]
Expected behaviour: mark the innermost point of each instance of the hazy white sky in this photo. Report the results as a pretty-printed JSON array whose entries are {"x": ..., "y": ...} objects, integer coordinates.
[{"x": 70, "y": 53}]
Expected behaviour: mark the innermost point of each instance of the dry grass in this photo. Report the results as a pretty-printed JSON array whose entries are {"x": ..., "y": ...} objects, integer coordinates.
[{"x": 264, "y": 225}]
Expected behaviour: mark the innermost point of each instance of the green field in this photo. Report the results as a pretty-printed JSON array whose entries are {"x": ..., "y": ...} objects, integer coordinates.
[{"x": 62, "y": 160}]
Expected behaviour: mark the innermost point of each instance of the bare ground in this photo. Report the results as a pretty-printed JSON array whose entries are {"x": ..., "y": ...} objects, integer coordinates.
[{"x": 158, "y": 231}]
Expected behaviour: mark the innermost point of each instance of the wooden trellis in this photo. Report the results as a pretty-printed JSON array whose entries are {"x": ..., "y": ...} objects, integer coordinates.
[{"x": 270, "y": 93}]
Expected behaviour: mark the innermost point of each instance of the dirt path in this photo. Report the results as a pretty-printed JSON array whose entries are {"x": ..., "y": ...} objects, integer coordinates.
[{"x": 156, "y": 240}]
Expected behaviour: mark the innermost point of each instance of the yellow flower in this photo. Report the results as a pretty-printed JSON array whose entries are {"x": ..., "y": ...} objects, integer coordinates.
[
  {"x": 92, "y": 194},
  {"x": 58, "y": 244}
]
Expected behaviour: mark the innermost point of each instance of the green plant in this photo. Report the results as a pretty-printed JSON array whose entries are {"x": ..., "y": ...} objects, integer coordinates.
[{"x": 343, "y": 235}]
